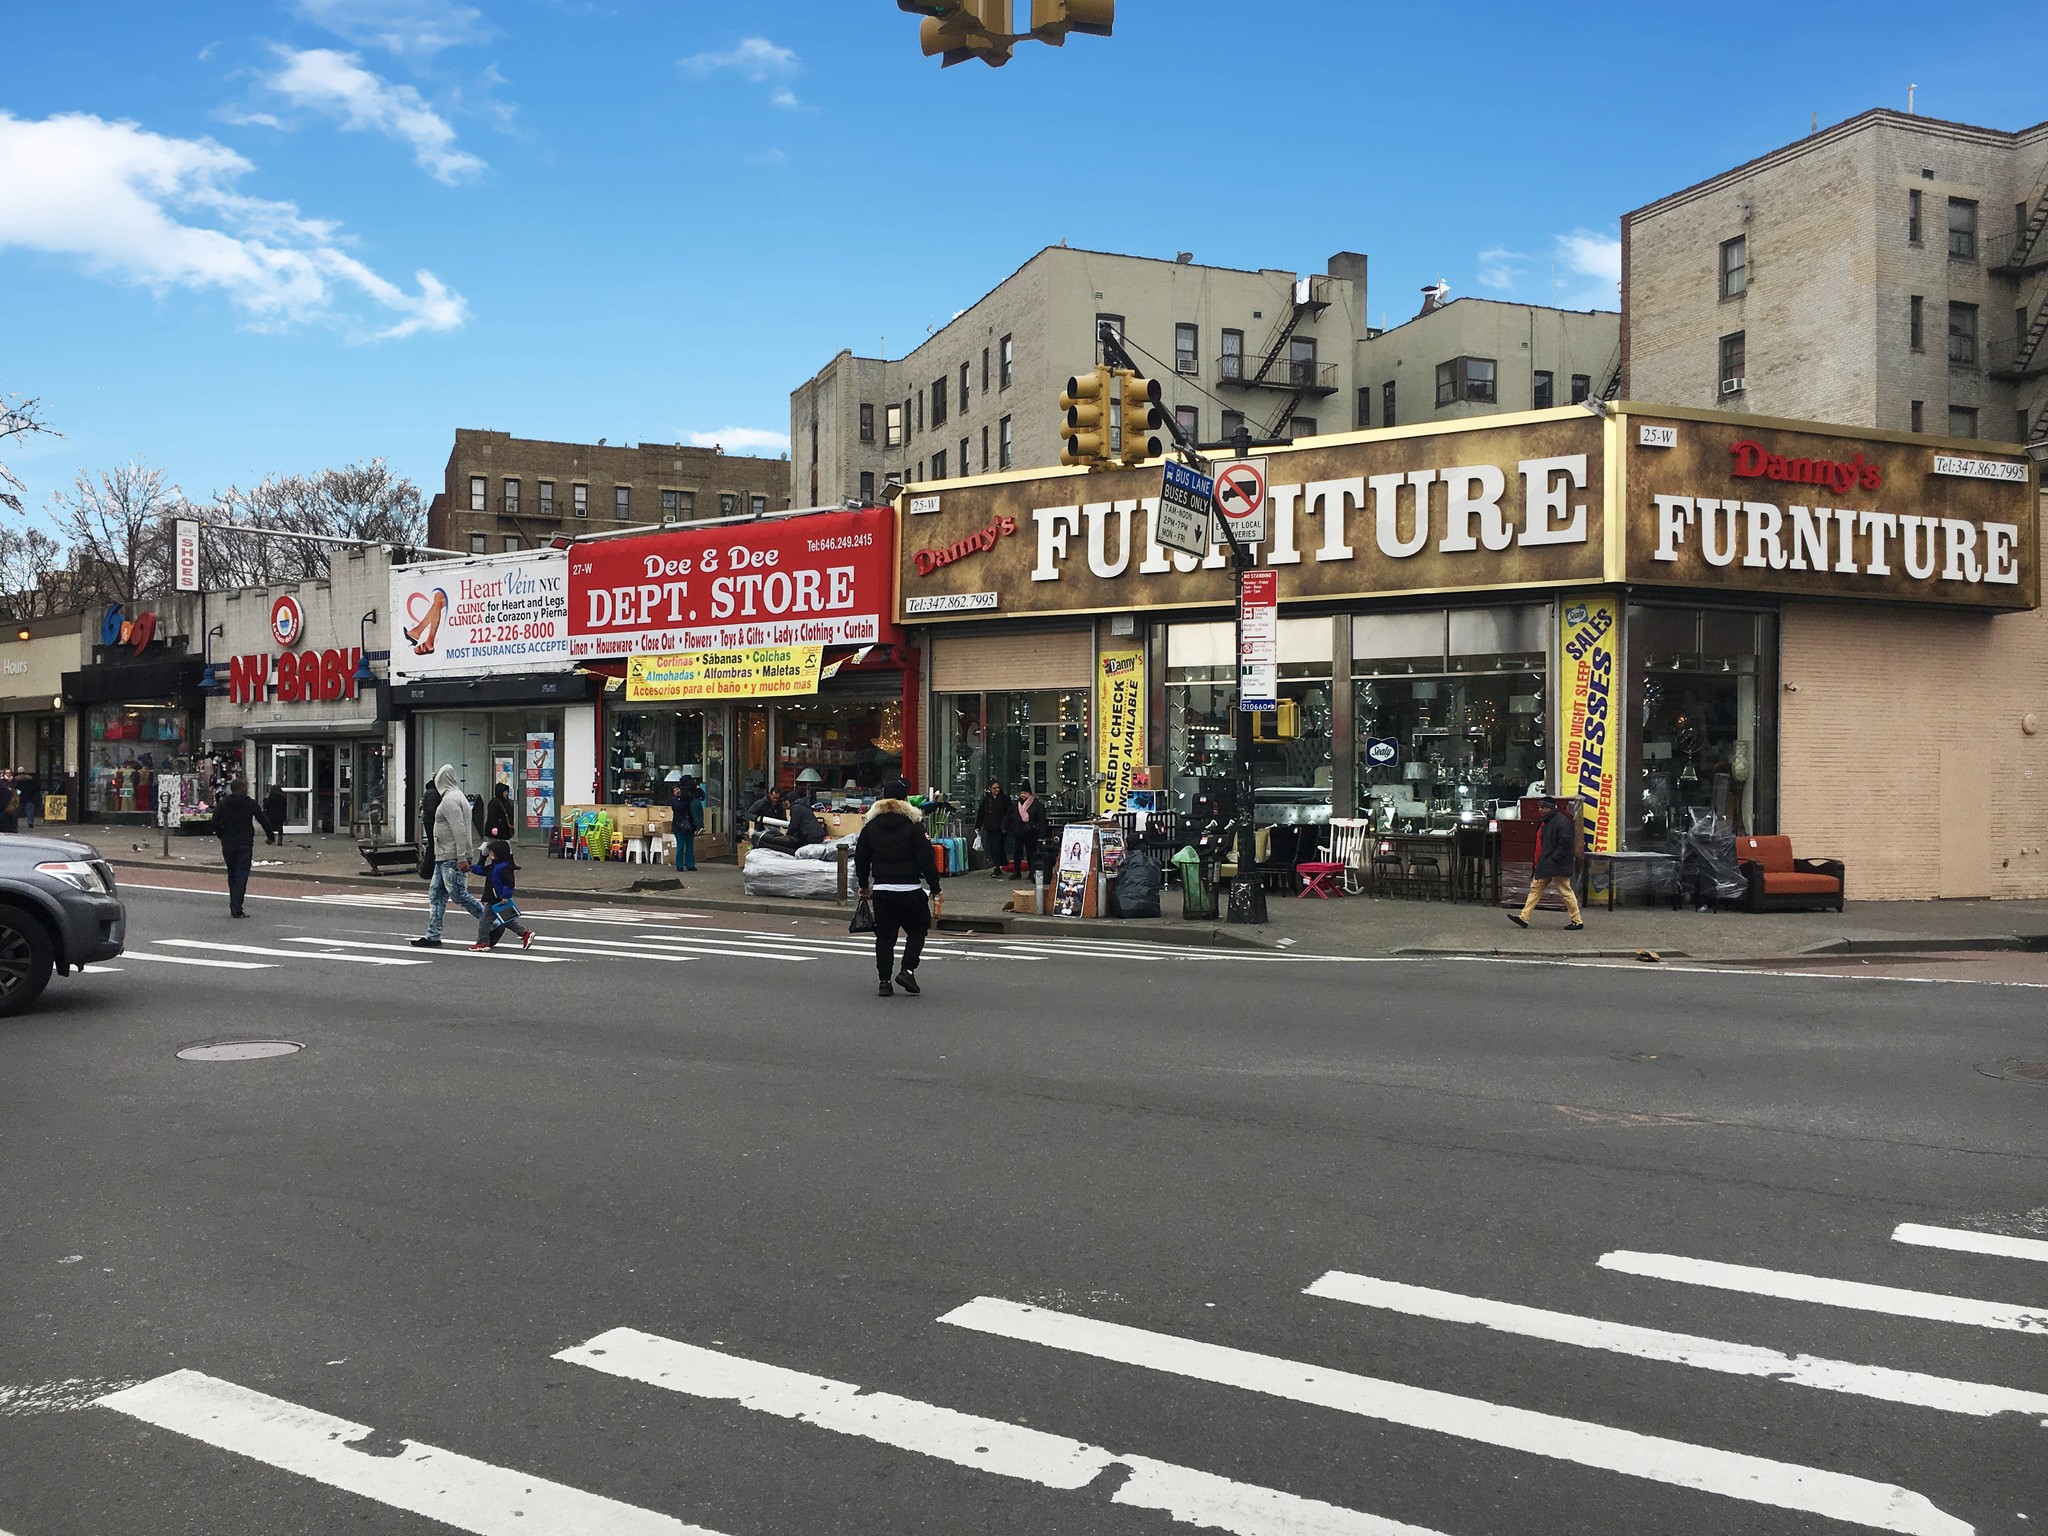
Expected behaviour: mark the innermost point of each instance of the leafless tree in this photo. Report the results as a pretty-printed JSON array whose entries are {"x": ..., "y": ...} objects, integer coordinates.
[
  {"x": 357, "y": 501},
  {"x": 118, "y": 529},
  {"x": 20, "y": 417},
  {"x": 35, "y": 581}
]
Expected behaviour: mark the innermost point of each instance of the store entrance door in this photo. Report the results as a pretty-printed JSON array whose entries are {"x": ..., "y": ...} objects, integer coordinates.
[
  {"x": 754, "y": 769},
  {"x": 291, "y": 770}
]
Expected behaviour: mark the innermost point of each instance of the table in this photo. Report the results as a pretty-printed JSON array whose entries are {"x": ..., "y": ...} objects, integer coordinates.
[
  {"x": 1656, "y": 873},
  {"x": 1403, "y": 852}
]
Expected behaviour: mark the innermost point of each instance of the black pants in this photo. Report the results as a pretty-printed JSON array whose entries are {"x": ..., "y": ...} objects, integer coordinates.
[
  {"x": 905, "y": 912},
  {"x": 1025, "y": 846},
  {"x": 237, "y": 860}
]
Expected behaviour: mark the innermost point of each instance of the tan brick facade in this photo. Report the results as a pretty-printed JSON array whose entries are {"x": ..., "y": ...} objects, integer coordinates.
[
  {"x": 704, "y": 482},
  {"x": 1903, "y": 750}
]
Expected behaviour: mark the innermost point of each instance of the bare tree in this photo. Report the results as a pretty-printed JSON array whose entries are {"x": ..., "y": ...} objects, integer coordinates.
[
  {"x": 357, "y": 501},
  {"x": 118, "y": 527},
  {"x": 20, "y": 417},
  {"x": 34, "y": 578}
]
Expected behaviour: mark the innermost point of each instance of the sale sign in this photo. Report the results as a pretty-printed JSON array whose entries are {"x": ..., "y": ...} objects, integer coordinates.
[{"x": 821, "y": 579}]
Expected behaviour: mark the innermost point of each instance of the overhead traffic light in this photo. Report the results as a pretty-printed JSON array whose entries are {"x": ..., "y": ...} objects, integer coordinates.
[
  {"x": 1085, "y": 424},
  {"x": 1052, "y": 20},
  {"x": 1143, "y": 415},
  {"x": 958, "y": 30}
]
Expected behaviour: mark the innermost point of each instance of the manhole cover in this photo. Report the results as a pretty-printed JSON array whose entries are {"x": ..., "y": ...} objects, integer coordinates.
[
  {"x": 2017, "y": 1071},
  {"x": 238, "y": 1050}
]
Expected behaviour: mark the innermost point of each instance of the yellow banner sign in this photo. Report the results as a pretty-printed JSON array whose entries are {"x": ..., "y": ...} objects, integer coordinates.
[
  {"x": 757, "y": 672},
  {"x": 1590, "y": 701},
  {"x": 1119, "y": 725}
]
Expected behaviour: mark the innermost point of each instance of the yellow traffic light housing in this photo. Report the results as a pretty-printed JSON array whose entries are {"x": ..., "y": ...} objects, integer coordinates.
[
  {"x": 955, "y": 31},
  {"x": 1086, "y": 420},
  {"x": 1281, "y": 723},
  {"x": 1052, "y": 20},
  {"x": 1143, "y": 415}
]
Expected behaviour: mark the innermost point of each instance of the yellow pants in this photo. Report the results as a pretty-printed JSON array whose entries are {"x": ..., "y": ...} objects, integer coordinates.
[{"x": 1562, "y": 887}]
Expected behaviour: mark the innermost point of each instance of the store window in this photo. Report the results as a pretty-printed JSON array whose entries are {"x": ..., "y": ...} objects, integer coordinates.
[
  {"x": 1448, "y": 709},
  {"x": 1201, "y": 694},
  {"x": 1703, "y": 685},
  {"x": 1038, "y": 739},
  {"x": 648, "y": 745},
  {"x": 130, "y": 749},
  {"x": 839, "y": 747},
  {"x": 487, "y": 747}
]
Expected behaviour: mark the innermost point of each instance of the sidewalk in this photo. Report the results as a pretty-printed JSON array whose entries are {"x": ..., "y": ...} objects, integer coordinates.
[{"x": 1357, "y": 925}]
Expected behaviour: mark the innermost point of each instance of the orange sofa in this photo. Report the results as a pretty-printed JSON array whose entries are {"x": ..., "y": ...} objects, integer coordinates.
[{"x": 1775, "y": 878}]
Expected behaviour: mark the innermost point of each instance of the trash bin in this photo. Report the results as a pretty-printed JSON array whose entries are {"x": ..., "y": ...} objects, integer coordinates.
[{"x": 1197, "y": 885}]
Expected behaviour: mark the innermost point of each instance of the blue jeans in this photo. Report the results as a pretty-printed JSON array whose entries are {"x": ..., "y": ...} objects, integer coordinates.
[
  {"x": 449, "y": 881},
  {"x": 686, "y": 850}
]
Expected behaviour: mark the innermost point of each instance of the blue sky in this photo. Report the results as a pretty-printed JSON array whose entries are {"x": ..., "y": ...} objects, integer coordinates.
[{"x": 284, "y": 234}]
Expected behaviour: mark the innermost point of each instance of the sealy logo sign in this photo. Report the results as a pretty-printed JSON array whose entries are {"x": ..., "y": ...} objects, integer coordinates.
[
  {"x": 1841, "y": 476},
  {"x": 977, "y": 543}
]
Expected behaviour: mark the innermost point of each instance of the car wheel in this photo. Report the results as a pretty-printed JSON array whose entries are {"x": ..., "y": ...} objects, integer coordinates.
[{"x": 25, "y": 960}]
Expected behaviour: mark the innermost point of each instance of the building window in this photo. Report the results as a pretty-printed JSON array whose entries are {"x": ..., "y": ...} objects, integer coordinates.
[
  {"x": 966, "y": 468},
  {"x": 1582, "y": 388},
  {"x": 1116, "y": 329},
  {"x": 867, "y": 487},
  {"x": 1735, "y": 267},
  {"x": 1467, "y": 378},
  {"x": 939, "y": 465},
  {"x": 938, "y": 402},
  {"x": 1009, "y": 347},
  {"x": 676, "y": 505},
  {"x": 1913, "y": 217},
  {"x": 1917, "y": 422},
  {"x": 728, "y": 504},
  {"x": 1962, "y": 334},
  {"x": 511, "y": 542},
  {"x": 478, "y": 544},
  {"x": 1230, "y": 367},
  {"x": 1008, "y": 444},
  {"x": 894, "y": 427},
  {"x": 1916, "y": 323},
  {"x": 1542, "y": 390},
  {"x": 1230, "y": 424},
  {"x": 1190, "y": 419},
  {"x": 622, "y": 502},
  {"x": 963, "y": 389},
  {"x": 984, "y": 450},
  {"x": 1962, "y": 228},
  {"x": 758, "y": 505},
  {"x": 1301, "y": 426},
  {"x": 479, "y": 494},
  {"x": 1364, "y": 407},
  {"x": 511, "y": 495},
  {"x": 920, "y": 410},
  {"x": 1962, "y": 421},
  {"x": 1301, "y": 360},
  {"x": 1387, "y": 415},
  {"x": 984, "y": 370},
  {"x": 1734, "y": 349},
  {"x": 1187, "y": 349},
  {"x": 579, "y": 500},
  {"x": 867, "y": 423}
]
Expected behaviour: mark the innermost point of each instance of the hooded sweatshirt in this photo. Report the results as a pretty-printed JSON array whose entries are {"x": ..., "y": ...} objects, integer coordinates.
[
  {"x": 454, "y": 834},
  {"x": 892, "y": 848}
]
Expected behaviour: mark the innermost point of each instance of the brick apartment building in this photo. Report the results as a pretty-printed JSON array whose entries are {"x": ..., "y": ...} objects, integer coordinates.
[{"x": 503, "y": 492}]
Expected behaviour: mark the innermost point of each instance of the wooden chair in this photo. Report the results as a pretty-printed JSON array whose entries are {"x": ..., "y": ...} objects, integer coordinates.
[{"x": 1349, "y": 841}]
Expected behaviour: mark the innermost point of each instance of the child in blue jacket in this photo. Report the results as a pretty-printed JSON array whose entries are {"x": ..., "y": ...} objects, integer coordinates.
[{"x": 501, "y": 911}]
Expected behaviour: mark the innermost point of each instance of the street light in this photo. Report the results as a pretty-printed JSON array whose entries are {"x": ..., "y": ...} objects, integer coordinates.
[{"x": 365, "y": 678}]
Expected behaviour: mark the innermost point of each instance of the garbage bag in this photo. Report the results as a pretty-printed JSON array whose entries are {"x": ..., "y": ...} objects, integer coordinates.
[
  {"x": 768, "y": 873},
  {"x": 1135, "y": 892},
  {"x": 1189, "y": 863},
  {"x": 1707, "y": 871}
]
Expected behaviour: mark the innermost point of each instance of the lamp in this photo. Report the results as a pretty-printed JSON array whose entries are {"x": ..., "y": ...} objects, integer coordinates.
[
  {"x": 209, "y": 676},
  {"x": 810, "y": 776},
  {"x": 673, "y": 776},
  {"x": 364, "y": 676}
]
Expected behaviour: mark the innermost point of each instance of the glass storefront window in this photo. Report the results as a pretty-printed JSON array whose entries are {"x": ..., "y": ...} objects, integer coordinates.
[
  {"x": 486, "y": 746},
  {"x": 129, "y": 749},
  {"x": 840, "y": 750},
  {"x": 649, "y": 744},
  {"x": 1293, "y": 777},
  {"x": 1016, "y": 738},
  {"x": 1703, "y": 707},
  {"x": 1449, "y": 734}
]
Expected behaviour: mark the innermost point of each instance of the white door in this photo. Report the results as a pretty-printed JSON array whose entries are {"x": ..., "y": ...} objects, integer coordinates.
[{"x": 291, "y": 770}]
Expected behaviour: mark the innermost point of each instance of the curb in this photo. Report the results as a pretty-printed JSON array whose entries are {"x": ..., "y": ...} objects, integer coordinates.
[
  {"x": 1537, "y": 954},
  {"x": 2031, "y": 942}
]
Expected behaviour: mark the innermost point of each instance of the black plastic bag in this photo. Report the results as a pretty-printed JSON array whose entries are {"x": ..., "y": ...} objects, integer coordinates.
[
  {"x": 1135, "y": 892},
  {"x": 863, "y": 918}
]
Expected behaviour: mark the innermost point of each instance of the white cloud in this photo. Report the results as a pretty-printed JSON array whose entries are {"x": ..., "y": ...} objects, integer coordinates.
[
  {"x": 754, "y": 58},
  {"x": 162, "y": 213},
  {"x": 1589, "y": 253},
  {"x": 249, "y": 119},
  {"x": 741, "y": 440},
  {"x": 783, "y": 96},
  {"x": 1501, "y": 268},
  {"x": 336, "y": 85},
  {"x": 414, "y": 30}
]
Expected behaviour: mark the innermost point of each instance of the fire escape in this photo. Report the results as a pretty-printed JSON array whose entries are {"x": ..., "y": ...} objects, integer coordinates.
[
  {"x": 1300, "y": 376},
  {"x": 2021, "y": 256}
]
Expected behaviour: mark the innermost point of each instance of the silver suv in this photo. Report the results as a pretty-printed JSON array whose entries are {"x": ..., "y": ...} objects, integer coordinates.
[{"x": 58, "y": 911}]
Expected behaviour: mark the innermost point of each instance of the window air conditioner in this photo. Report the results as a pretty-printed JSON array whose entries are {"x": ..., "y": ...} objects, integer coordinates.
[
  {"x": 1731, "y": 386},
  {"x": 1186, "y": 365},
  {"x": 581, "y": 510}
]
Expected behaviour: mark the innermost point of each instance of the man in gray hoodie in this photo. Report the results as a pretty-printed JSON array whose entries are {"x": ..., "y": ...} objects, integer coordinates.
[{"x": 452, "y": 842}]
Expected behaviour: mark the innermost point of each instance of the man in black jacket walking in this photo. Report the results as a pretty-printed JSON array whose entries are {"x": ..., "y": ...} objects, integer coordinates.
[
  {"x": 1557, "y": 861},
  {"x": 894, "y": 863},
  {"x": 235, "y": 820}
]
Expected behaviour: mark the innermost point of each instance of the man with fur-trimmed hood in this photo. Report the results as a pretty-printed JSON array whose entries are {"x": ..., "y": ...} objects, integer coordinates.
[{"x": 895, "y": 864}]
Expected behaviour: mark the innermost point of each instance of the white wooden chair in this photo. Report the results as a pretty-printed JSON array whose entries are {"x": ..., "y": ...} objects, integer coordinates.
[{"x": 1350, "y": 840}]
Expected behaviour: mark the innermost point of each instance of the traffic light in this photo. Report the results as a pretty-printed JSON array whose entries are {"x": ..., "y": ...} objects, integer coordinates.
[
  {"x": 1052, "y": 20},
  {"x": 1086, "y": 405},
  {"x": 959, "y": 30},
  {"x": 1142, "y": 415}
]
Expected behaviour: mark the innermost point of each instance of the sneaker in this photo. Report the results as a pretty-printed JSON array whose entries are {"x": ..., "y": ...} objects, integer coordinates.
[
  {"x": 1518, "y": 920},
  {"x": 526, "y": 939},
  {"x": 478, "y": 948},
  {"x": 885, "y": 990},
  {"x": 907, "y": 980},
  {"x": 1574, "y": 927},
  {"x": 426, "y": 943}
]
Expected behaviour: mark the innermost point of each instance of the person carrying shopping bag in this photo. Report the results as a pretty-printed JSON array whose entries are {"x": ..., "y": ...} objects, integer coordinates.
[
  {"x": 895, "y": 864},
  {"x": 501, "y": 908}
]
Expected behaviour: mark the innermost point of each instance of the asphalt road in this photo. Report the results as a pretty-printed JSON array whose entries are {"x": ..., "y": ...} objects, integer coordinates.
[{"x": 585, "y": 1246}]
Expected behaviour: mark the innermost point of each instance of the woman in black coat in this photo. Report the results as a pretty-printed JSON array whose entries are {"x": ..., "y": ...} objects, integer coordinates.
[
  {"x": 273, "y": 814},
  {"x": 1028, "y": 827},
  {"x": 499, "y": 816},
  {"x": 992, "y": 821}
]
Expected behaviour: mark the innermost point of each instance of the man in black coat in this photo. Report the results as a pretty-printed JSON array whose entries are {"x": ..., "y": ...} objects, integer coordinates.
[
  {"x": 992, "y": 821},
  {"x": 895, "y": 864},
  {"x": 235, "y": 820},
  {"x": 1557, "y": 861},
  {"x": 273, "y": 814}
]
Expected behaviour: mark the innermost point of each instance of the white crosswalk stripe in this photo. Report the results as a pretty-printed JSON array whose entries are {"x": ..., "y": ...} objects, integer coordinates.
[
  {"x": 1928, "y": 1306},
  {"x": 218, "y": 965},
  {"x": 510, "y": 951},
  {"x": 453, "y": 1489},
  {"x": 281, "y": 954},
  {"x": 1960, "y": 1241}
]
